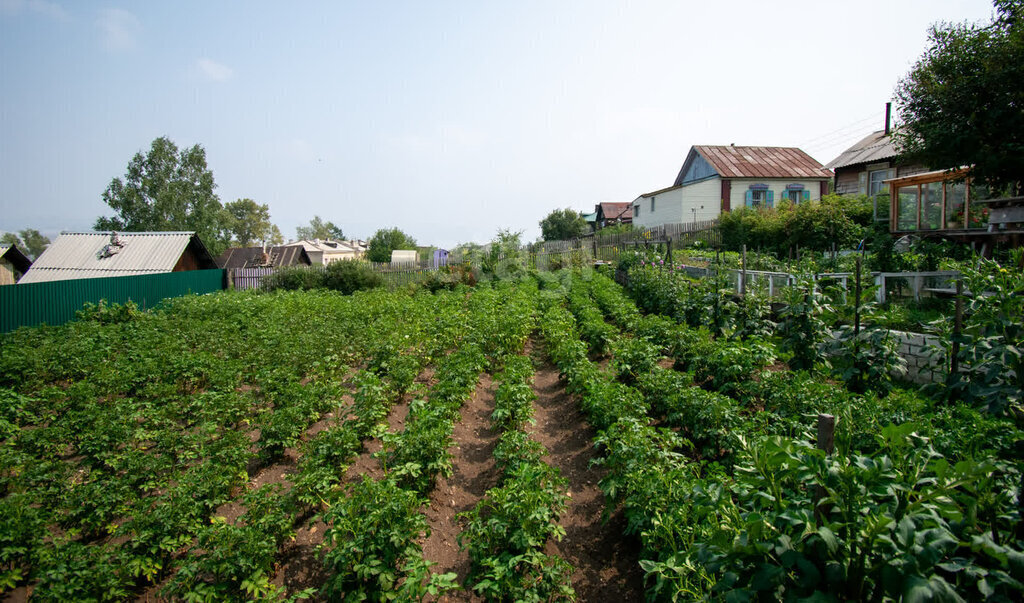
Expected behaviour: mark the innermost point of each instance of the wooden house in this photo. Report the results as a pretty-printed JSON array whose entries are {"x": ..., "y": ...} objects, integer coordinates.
[{"x": 13, "y": 264}]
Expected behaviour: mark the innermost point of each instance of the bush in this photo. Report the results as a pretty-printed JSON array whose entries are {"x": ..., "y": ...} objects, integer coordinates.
[
  {"x": 349, "y": 276},
  {"x": 294, "y": 278}
]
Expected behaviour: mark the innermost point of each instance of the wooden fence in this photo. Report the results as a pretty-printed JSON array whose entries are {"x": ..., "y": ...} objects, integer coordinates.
[{"x": 544, "y": 256}]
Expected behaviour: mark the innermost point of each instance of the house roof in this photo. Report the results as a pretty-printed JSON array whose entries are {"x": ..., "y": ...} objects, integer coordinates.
[
  {"x": 876, "y": 146},
  {"x": 251, "y": 257},
  {"x": 756, "y": 162},
  {"x": 329, "y": 245},
  {"x": 19, "y": 260},
  {"x": 76, "y": 255},
  {"x": 612, "y": 210}
]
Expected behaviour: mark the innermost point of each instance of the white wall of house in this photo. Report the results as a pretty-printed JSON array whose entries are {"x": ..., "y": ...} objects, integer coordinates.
[
  {"x": 677, "y": 205},
  {"x": 740, "y": 186}
]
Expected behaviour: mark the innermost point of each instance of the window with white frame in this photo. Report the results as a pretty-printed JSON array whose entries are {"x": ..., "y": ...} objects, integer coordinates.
[{"x": 636, "y": 210}]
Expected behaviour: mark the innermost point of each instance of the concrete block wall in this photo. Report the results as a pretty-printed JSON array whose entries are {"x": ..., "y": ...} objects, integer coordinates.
[{"x": 922, "y": 367}]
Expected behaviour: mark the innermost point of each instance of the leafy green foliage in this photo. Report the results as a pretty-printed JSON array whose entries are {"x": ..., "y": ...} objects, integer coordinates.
[
  {"x": 958, "y": 103},
  {"x": 802, "y": 329},
  {"x": 386, "y": 240},
  {"x": 372, "y": 535},
  {"x": 562, "y": 225},
  {"x": 167, "y": 190},
  {"x": 318, "y": 229}
]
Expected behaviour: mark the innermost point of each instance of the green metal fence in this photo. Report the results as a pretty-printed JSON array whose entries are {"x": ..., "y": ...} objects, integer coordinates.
[{"x": 56, "y": 302}]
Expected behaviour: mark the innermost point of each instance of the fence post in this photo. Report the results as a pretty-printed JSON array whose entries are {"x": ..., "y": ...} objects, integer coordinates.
[
  {"x": 743, "y": 272},
  {"x": 826, "y": 442},
  {"x": 958, "y": 320}
]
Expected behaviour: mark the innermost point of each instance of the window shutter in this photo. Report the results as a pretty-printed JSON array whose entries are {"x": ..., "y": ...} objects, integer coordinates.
[
  {"x": 807, "y": 195},
  {"x": 771, "y": 199},
  {"x": 750, "y": 198},
  {"x": 862, "y": 183}
]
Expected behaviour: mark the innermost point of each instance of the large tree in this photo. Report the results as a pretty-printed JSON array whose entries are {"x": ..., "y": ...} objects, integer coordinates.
[
  {"x": 318, "y": 229},
  {"x": 563, "y": 224},
  {"x": 963, "y": 101},
  {"x": 386, "y": 240},
  {"x": 249, "y": 222},
  {"x": 167, "y": 189},
  {"x": 30, "y": 241}
]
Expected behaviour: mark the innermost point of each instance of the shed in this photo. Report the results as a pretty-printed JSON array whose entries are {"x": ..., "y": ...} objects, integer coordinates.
[
  {"x": 440, "y": 258},
  {"x": 403, "y": 257},
  {"x": 13, "y": 264},
  {"x": 260, "y": 257},
  {"x": 75, "y": 255}
]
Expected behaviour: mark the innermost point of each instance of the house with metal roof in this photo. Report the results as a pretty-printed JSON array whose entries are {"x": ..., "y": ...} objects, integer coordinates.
[
  {"x": 13, "y": 264},
  {"x": 260, "y": 257},
  {"x": 717, "y": 179},
  {"x": 75, "y": 255}
]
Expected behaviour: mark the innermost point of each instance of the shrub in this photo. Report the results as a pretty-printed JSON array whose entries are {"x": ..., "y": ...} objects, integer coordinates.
[
  {"x": 349, "y": 276},
  {"x": 294, "y": 278}
]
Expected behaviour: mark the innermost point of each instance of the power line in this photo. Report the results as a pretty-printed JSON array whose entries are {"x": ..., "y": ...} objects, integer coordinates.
[{"x": 856, "y": 124}]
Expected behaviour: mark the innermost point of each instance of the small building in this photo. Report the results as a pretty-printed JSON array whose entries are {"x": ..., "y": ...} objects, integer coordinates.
[
  {"x": 612, "y": 213},
  {"x": 13, "y": 264},
  {"x": 717, "y": 179},
  {"x": 403, "y": 257},
  {"x": 260, "y": 257},
  {"x": 75, "y": 255},
  {"x": 440, "y": 258}
]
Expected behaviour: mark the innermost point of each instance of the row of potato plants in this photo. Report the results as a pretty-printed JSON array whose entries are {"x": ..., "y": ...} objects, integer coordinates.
[
  {"x": 730, "y": 499},
  {"x": 119, "y": 439},
  {"x": 507, "y": 531},
  {"x": 372, "y": 543}
]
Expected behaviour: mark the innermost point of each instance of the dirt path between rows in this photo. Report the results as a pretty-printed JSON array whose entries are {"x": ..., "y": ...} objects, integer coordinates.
[
  {"x": 606, "y": 562},
  {"x": 473, "y": 473}
]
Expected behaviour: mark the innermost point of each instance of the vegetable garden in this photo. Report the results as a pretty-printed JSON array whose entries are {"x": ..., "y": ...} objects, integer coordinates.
[{"x": 179, "y": 453}]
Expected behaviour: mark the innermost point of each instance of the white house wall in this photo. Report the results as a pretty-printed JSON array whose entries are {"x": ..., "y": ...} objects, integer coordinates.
[
  {"x": 740, "y": 186},
  {"x": 676, "y": 205}
]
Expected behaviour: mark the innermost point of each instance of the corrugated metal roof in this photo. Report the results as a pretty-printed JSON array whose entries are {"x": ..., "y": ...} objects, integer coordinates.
[
  {"x": 759, "y": 162},
  {"x": 81, "y": 255},
  {"x": 876, "y": 146}
]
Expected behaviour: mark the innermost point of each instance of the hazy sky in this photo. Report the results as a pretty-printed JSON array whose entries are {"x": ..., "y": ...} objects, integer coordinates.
[{"x": 449, "y": 120}]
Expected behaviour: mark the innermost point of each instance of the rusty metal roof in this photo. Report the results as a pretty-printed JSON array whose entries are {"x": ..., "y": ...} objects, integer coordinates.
[
  {"x": 612, "y": 210},
  {"x": 876, "y": 146},
  {"x": 91, "y": 255},
  {"x": 251, "y": 257},
  {"x": 757, "y": 162}
]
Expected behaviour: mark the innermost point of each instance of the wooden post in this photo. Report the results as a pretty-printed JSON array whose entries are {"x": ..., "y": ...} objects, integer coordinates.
[
  {"x": 856, "y": 303},
  {"x": 669, "y": 252},
  {"x": 958, "y": 325},
  {"x": 826, "y": 433},
  {"x": 743, "y": 272}
]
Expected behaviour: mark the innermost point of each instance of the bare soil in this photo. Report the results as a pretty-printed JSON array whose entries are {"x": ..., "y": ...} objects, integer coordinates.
[{"x": 606, "y": 562}]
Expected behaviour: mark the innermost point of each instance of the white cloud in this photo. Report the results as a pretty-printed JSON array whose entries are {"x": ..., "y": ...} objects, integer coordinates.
[
  {"x": 212, "y": 70},
  {"x": 41, "y": 7},
  {"x": 119, "y": 28}
]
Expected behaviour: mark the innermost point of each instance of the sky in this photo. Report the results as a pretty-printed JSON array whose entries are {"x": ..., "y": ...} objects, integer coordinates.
[{"x": 449, "y": 120}]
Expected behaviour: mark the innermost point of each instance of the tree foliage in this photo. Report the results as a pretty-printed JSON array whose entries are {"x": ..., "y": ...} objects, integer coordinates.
[
  {"x": 386, "y": 240},
  {"x": 30, "y": 241},
  {"x": 963, "y": 101},
  {"x": 167, "y": 189},
  {"x": 563, "y": 224},
  {"x": 318, "y": 229},
  {"x": 249, "y": 222}
]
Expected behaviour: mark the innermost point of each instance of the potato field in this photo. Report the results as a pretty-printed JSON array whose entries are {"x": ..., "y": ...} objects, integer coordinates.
[{"x": 551, "y": 437}]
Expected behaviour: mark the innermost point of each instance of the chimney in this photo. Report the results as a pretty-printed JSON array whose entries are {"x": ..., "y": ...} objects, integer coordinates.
[{"x": 888, "y": 115}]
